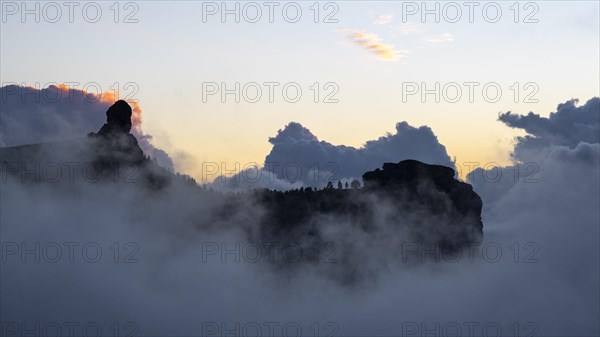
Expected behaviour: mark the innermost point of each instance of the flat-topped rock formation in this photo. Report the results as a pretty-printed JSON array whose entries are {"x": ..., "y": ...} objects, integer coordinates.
[
  {"x": 405, "y": 207},
  {"x": 434, "y": 187}
]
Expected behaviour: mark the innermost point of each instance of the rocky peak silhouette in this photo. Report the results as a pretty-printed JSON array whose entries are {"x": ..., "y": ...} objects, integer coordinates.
[
  {"x": 412, "y": 203},
  {"x": 115, "y": 145},
  {"x": 111, "y": 154},
  {"x": 118, "y": 119}
]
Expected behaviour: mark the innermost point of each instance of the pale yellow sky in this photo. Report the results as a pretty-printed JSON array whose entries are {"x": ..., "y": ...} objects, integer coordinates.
[{"x": 170, "y": 53}]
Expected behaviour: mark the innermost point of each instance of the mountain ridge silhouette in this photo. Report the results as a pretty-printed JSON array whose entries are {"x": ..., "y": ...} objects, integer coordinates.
[{"x": 418, "y": 202}]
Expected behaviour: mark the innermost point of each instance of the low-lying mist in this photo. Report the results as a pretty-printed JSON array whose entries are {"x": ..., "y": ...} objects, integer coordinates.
[
  {"x": 158, "y": 262},
  {"x": 133, "y": 255}
]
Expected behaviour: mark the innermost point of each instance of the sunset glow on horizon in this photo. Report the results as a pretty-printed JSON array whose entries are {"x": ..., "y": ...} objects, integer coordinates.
[{"x": 379, "y": 62}]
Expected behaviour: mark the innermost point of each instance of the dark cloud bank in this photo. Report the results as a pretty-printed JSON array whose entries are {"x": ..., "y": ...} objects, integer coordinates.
[
  {"x": 298, "y": 158},
  {"x": 570, "y": 127},
  {"x": 296, "y": 143},
  {"x": 546, "y": 285}
]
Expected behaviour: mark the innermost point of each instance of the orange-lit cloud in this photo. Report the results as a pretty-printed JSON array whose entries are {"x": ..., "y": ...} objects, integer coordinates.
[
  {"x": 107, "y": 98},
  {"x": 373, "y": 44}
]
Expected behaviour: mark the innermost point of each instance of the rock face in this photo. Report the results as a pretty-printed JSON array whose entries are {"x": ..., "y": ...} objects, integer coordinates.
[
  {"x": 404, "y": 210},
  {"x": 424, "y": 201},
  {"x": 114, "y": 144},
  {"x": 434, "y": 187},
  {"x": 118, "y": 119}
]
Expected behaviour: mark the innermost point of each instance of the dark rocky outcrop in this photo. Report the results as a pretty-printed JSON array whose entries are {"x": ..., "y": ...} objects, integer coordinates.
[
  {"x": 118, "y": 119},
  {"x": 112, "y": 154},
  {"x": 435, "y": 187},
  {"x": 114, "y": 145},
  {"x": 425, "y": 201},
  {"x": 405, "y": 202}
]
